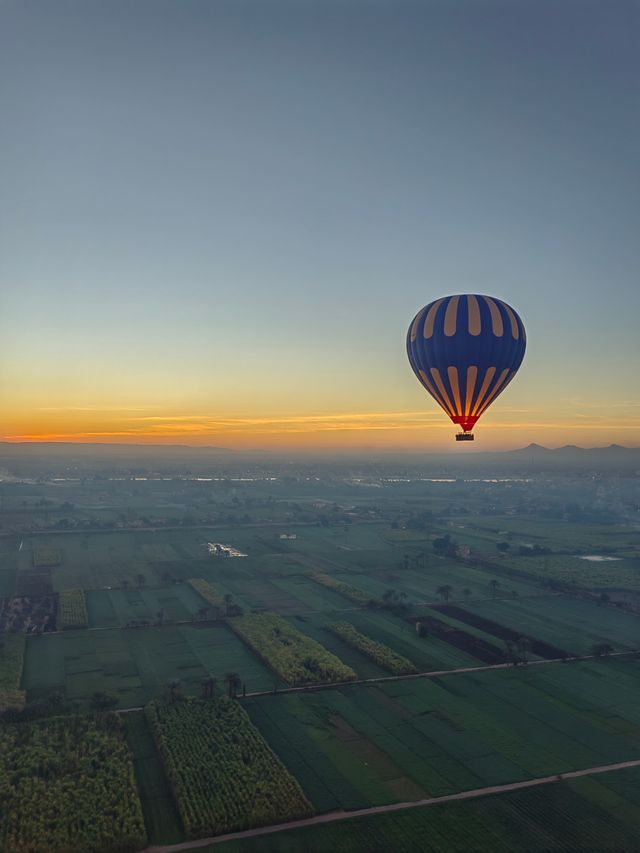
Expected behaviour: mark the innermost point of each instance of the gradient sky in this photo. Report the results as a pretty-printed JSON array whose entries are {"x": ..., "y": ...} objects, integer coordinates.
[{"x": 217, "y": 219}]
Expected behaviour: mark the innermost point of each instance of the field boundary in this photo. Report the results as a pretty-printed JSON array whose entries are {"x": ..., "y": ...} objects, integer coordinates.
[
  {"x": 467, "y": 670},
  {"x": 331, "y": 817}
]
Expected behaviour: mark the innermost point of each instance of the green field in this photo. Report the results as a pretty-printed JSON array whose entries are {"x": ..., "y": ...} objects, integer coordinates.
[
  {"x": 352, "y": 747},
  {"x": 223, "y": 775},
  {"x": 598, "y": 814},
  {"x": 108, "y": 608},
  {"x": 12, "y": 648},
  {"x": 135, "y": 665},
  {"x": 427, "y": 653},
  {"x": 161, "y": 817},
  {"x": 571, "y": 623}
]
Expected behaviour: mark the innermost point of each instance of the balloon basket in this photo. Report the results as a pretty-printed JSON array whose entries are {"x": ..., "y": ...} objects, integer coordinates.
[{"x": 464, "y": 436}]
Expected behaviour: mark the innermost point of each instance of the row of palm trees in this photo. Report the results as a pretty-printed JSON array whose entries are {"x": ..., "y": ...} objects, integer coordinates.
[
  {"x": 101, "y": 701},
  {"x": 232, "y": 680},
  {"x": 446, "y": 590}
]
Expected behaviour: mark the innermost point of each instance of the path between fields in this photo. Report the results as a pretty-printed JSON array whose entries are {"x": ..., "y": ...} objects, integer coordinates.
[
  {"x": 308, "y": 688},
  {"x": 331, "y": 817},
  {"x": 434, "y": 674}
]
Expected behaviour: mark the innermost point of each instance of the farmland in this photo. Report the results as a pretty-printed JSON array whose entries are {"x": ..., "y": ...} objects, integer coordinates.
[
  {"x": 296, "y": 658},
  {"x": 350, "y": 747},
  {"x": 207, "y": 591},
  {"x": 162, "y": 821},
  {"x": 72, "y": 609},
  {"x": 378, "y": 652},
  {"x": 572, "y": 623},
  {"x": 11, "y": 663},
  {"x": 595, "y": 814},
  {"x": 40, "y": 764},
  {"x": 341, "y": 582},
  {"x": 222, "y": 773},
  {"x": 136, "y": 665}
]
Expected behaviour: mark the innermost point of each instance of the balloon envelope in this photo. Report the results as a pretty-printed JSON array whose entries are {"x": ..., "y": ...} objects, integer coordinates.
[{"x": 465, "y": 350}]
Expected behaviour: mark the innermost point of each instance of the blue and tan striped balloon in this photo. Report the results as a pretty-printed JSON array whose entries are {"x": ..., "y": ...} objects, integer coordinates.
[{"x": 465, "y": 350}]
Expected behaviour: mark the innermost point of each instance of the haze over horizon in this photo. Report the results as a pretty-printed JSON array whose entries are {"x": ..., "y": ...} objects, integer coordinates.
[{"x": 221, "y": 237}]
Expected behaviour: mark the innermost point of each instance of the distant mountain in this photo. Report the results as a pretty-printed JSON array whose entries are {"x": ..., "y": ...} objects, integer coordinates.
[
  {"x": 613, "y": 456},
  {"x": 611, "y": 451}
]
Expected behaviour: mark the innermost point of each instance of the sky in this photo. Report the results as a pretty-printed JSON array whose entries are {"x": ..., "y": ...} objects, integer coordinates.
[{"x": 217, "y": 219}]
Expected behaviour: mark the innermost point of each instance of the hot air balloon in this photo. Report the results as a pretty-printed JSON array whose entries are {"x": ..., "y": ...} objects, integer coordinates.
[{"x": 465, "y": 350}]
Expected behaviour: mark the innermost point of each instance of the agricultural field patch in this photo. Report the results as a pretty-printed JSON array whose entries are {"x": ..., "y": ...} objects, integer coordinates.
[
  {"x": 380, "y": 654},
  {"x": 267, "y": 593},
  {"x": 557, "y": 533},
  {"x": 42, "y": 762},
  {"x": 7, "y": 580},
  {"x": 570, "y": 570},
  {"x": 208, "y": 593},
  {"x": 572, "y": 623},
  {"x": 310, "y": 595},
  {"x": 161, "y": 817},
  {"x": 296, "y": 658},
  {"x": 72, "y": 609},
  {"x": 428, "y": 653},
  {"x": 46, "y": 556},
  {"x": 222, "y": 773},
  {"x": 136, "y": 665},
  {"x": 113, "y": 607},
  {"x": 353, "y": 593},
  {"x": 11, "y": 663},
  {"x": 558, "y": 817},
  {"x": 316, "y": 625},
  {"x": 453, "y": 733},
  {"x": 34, "y": 582},
  {"x": 540, "y": 648}
]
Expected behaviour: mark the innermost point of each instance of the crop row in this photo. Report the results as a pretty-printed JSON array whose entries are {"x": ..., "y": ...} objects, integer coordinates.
[
  {"x": 72, "y": 609},
  {"x": 67, "y": 783},
  {"x": 296, "y": 658},
  {"x": 377, "y": 652},
  {"x": 11, "y": 660},
  {"x": 45, "y": 557},
  {"x": 207, "y": 591},
  {"x": 358, "y": 596},
  {"x": 223, "y": 774}
]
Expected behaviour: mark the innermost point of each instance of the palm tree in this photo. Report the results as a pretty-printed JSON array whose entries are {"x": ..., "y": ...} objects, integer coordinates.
[
  {"x": 467, "y": 593},
  {"x": 174, "y": 689},
  {"x": 140, "y": 578},
  {"x": 160, "y": 616},
  {"x": 444, "y": 591},
  {"x": 601, "y": 650},
  {"x": 228, "y": 598},
  {"x": 524, "y": 647},
  {"x": 511, "y": 654},
  {"x": 102, "y": 701},
  {"x": 232, "y": 680},
  {"x": 493, "y": 586},
  {"x": 208, "y": 686}
]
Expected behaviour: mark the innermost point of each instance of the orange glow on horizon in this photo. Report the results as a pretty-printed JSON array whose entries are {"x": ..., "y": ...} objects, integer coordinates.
[{"x": 392, "y": 431}]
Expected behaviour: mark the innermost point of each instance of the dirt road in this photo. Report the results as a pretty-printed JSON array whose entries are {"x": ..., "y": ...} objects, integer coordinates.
[{"x": 331, "y": 817}]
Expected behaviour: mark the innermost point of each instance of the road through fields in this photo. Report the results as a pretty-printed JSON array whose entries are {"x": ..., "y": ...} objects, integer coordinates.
[{"x": 330, "y": 817}]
